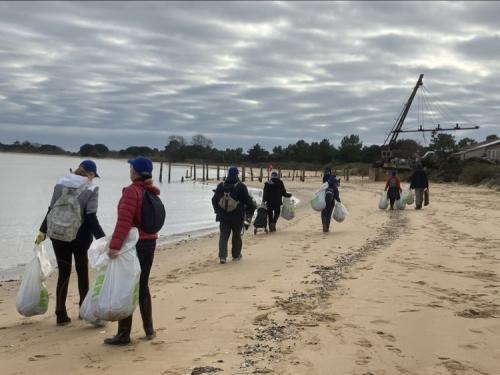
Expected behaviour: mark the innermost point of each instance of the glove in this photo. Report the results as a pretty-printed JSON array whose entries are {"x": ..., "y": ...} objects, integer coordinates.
[{"x": 40, "y": 238}]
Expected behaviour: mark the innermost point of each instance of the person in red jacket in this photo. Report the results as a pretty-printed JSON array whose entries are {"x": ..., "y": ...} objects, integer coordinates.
[
  {"x": 393, "y": 188},
  {"x": 129, "y": 215}
]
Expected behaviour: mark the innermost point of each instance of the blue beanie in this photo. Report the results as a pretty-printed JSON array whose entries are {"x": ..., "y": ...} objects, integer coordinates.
[{"x": 233, "y": 172}]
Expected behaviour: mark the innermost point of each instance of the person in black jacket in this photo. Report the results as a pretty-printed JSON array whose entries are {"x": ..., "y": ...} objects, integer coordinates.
[
  {"x": 420, "y": 183},
  {"x": 229, "y": 201},
  {"x": 331, "y": 195},
  {"x": 274, "y": 190},
  {"x": 90, "y": 228}
]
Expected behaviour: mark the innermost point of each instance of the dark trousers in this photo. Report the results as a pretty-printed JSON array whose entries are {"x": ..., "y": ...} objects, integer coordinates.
[
  {"x": 393, "y": 195},
  {"x": 225, "y": 231},
  {"x": 145, "y": 253},
  {"x": 273, "y": 213},
  {"x": 326, "y": 215},
  {"x": 64, "y": 252}
]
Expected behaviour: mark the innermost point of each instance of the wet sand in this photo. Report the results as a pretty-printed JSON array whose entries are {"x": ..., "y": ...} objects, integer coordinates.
[{"x": 404, "y": 292}]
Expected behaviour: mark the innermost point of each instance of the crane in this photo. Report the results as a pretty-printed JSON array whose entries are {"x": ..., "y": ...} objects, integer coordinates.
[{"x": 397, "y": 128}]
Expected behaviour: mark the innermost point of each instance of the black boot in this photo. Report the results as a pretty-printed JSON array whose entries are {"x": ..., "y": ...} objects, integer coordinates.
[
  {"x": 123, "y": 335},
  {"x": 121, "y": 338},
  {"x": 325, "y": 228},
  {"x": 62, "y": 318}
]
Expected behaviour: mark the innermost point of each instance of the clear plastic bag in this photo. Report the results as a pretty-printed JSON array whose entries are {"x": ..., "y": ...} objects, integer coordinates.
[
  {"x": 339, "y": 212},
  {"x": 383, "y": 202},
  {"x": 115, "y": 292},
  {"x": 410, "y": 198},
  {"x": 288, "y": 210},
  {"x": 33, "y": 296},
  {"x": 401, "y": 203},
  {"x": 318, "y": 202}
]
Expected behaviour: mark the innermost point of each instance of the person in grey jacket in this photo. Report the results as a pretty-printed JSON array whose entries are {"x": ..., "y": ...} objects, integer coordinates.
[{"x": 90, "y": 228}]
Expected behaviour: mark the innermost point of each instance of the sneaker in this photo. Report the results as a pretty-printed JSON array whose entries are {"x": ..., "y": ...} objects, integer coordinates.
[
  {"x": 238, "y": 257},
  {"x": 222, "y": 260}
]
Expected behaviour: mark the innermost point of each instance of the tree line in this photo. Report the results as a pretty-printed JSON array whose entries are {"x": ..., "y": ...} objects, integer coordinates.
[{"x": 200, "y": 148}]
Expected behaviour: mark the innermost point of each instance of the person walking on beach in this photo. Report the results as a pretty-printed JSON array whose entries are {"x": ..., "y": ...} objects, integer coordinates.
[
  {"x": 274, "y": 190},
  {"x": 331, "y": 195},
  {"x": 229, "y": 201},
  {"x": 330, "y": 172},
  {"x": 326, "y": 174},
  {"x": 71, "y": 224},
  {"x": 420, "y": 183},
  {"x": 130, "y": 212},
  {"x": 393, "y": 188}
]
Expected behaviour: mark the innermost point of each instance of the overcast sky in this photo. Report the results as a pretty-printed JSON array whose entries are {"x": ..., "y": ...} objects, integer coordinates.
[{"x": 134, "y": 73}]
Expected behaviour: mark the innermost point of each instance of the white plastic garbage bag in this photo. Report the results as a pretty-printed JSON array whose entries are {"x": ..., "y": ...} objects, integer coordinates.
[
  {"x": 401, "y": 203},
  {"x": 115, "y": 292},
  {"x": 410, "y": 198},
  {"x": 384, "y": 202},
  {"x": 318, "y": 202},
  {"x": 339, "y": 212},
  {"x": 33, "y": 296},
  {"x": 288, "y": 209}
]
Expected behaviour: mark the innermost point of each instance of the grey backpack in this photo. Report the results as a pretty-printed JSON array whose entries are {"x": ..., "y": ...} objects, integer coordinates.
[
  {"x": 65, "y": 217},
  {"x": 227, "y": 202}
]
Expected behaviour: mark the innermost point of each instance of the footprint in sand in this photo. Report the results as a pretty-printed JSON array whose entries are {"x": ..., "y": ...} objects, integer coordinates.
[
  {"x": 38, "y": 357},
  {"x": 395, "y": 350},
  {"x": 386, "y": 336},
  {"x": 364, "y": 343},
  {"x": 380, "y": 321}
]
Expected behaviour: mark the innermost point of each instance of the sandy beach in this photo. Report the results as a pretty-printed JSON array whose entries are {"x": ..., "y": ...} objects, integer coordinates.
[{"x": 404, "y": 292}]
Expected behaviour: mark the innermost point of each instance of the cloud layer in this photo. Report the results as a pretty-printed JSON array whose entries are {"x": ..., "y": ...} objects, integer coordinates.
[{"x": 134, "y": 73}]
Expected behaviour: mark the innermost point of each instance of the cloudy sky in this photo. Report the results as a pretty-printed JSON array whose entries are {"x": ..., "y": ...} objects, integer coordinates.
[{"x": 243, "y": 72}]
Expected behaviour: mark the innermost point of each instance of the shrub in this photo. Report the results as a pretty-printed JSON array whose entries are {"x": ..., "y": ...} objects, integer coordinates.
[{"x": 478, "y": 172}]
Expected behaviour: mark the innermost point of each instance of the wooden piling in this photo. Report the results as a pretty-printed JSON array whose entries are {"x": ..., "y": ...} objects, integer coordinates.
[
  {"x": 194, "y": 171},
  {"x": 208, "y": 175},
  {"x": 261, "y": 176},
  {"x": 203, "y": 172},
  {"x": 243, "y": 174},
  {"x": 293, "y": 175},
  {"x": 218, "y": 172},
  {"x": 161, "y": 171},
  {"x": 251, "y": 174}
]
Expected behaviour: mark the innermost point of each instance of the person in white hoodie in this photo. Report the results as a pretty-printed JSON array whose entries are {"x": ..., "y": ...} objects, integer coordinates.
[{"x": 71, "y": 223}]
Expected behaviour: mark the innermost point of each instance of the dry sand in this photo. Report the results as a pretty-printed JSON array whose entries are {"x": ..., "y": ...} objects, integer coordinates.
[{"x": 406, "y": 292}]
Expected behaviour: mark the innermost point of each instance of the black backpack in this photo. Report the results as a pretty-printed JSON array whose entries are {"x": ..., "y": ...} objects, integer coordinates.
[{"x": 153, "y": 213}]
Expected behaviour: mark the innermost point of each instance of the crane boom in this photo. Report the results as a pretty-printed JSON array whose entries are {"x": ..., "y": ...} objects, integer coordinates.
[{"x": 393, "y": 135}]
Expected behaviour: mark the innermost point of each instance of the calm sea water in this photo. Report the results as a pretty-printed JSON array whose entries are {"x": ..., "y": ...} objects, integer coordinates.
[{"x": 28, "y": 182}]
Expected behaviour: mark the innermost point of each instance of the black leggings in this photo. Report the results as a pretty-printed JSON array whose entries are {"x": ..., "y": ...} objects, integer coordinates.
[
  {"x": 64, "y": 254},
  {"x": 145, "y": 253}
]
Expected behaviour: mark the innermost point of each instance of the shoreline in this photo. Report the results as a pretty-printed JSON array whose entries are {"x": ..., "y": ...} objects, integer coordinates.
[{"x": 388, "y": 292}]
